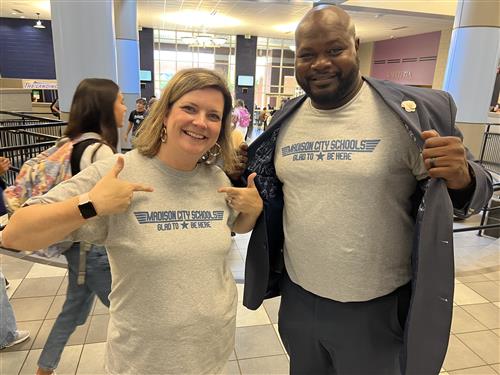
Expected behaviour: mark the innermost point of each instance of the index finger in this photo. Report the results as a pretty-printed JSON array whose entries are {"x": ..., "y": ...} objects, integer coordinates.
[
  {"x": 141, "y": 187},
  {"x": 441, "y": 141},
  {"x": 227, "y": 189},
  {"x": 429, "y": 134}
]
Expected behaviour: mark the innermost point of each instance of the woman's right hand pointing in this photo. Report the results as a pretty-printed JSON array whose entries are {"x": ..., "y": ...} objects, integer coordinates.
[{"x": 111, "y": 195}]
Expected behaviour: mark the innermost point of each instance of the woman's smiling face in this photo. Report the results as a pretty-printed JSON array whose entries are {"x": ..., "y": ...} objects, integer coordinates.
[{"x": 193, "y": 125}]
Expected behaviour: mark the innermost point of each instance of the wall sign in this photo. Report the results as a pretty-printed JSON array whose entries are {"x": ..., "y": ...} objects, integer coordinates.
[{"x": 38, "y": 84}]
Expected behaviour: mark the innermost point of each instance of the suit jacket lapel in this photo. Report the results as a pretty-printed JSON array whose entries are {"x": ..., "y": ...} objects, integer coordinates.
[{"x": 393, "y": 97}]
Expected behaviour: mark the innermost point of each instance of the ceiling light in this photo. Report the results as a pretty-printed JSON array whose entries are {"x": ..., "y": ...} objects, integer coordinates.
[
  {"x": 286, "y": 28},
  {"x": 204, "y": 40},
  {"x": 198, "y": 19},
  {"x": 43, "y": 5},
  {"x": 189, "y": 40},
  {"x": 38, "y": 24},
  {"x": 218, "y": 41}
]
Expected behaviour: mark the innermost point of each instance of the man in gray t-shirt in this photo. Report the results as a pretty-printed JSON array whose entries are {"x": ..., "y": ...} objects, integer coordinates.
[{"x": 346, "y": 237}]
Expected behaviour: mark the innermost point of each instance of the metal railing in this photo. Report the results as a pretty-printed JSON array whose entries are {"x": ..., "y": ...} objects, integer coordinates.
[
  {"x": 490, "y": 150},
  {"x": 22, "y": 129},
  {"x": 489, "y": 158},
  {"x": 26, "y": 117},
  {"x": 18, "y": 155},
  {"x": 23, "y": 136}
]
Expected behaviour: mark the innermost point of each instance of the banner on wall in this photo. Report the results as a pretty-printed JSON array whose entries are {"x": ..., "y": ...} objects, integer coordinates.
[{"x": 39, "y": 84}]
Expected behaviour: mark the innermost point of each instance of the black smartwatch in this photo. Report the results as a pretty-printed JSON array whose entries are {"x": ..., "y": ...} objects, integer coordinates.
[{"x": 87, "y": 209}]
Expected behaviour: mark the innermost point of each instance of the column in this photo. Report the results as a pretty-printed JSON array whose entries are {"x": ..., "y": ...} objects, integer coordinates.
[
  {"x": 246, "y": 57},
  {"x": 472, "y": 63},
  {"x": 146, "y": 50},
  {"x": 84, "y": 44},
  {"x": 127, "y": 55}
]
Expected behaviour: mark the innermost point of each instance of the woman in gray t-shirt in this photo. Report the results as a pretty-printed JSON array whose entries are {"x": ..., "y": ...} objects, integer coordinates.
[{"x": 173, "y": 298}]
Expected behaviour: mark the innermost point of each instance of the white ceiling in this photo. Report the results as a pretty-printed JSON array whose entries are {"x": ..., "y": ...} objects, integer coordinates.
[{"x": 375, "y": 20}]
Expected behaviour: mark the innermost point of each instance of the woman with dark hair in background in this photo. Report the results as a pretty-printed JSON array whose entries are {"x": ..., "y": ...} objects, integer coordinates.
[{"x": 96, "y": 112}]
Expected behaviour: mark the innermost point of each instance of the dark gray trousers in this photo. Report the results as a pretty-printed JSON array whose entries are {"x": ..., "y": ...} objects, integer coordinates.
[{"x": 323, "y": 336}]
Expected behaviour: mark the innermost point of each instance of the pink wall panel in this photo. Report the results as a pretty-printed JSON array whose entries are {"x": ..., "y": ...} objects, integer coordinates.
[{"x": 409, "y": 60}]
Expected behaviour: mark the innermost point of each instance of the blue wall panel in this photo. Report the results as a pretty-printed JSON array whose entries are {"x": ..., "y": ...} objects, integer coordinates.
[{"x": 26, "y": 52}]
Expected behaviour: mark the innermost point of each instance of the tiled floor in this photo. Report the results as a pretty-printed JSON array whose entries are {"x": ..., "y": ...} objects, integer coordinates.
[{"x": 37, "y": 293}]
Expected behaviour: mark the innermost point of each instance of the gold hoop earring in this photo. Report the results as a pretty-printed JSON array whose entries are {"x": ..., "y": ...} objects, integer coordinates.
[
  {"x": 211, "y": 155},
  {"x": 163, "y": 135}
]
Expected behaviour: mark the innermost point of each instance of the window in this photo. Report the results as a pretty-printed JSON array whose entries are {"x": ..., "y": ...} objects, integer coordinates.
[
  {"x": 176, "y": 50},
  {"x": 275, "y": 72}
]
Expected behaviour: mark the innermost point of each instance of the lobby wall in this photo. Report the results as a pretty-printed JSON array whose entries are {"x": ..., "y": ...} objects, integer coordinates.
[{"x": 26, "y": 52}]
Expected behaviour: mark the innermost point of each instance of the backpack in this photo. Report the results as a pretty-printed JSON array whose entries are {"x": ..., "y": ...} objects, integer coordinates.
[
  {"x": 41, "y": 173},
  {"x": 243, "y": 116},
  {"x": 44, "y": 171}
]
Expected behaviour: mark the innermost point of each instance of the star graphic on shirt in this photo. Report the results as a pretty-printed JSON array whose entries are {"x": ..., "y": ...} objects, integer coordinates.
[
  {"x": 184, "y": 225},
  {"x": 320, "y": 156}
]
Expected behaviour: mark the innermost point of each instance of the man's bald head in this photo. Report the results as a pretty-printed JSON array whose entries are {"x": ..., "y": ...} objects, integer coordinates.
[
  {"x": 325, "y": 15},
  {"x": 326, "y": 59}
]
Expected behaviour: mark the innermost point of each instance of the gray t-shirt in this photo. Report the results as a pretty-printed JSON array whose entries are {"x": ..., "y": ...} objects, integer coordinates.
[
  {"x": 94, "y": 152},
  {"x": 348, "y": 174},
  {"x": 173, "y": 297}
]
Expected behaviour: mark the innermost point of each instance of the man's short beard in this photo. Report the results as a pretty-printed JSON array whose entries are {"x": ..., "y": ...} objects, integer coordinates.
[{"x": 347, "y": 84}]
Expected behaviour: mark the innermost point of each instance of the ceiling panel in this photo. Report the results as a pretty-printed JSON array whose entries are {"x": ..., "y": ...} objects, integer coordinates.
[{"x": 260, "y": 17}]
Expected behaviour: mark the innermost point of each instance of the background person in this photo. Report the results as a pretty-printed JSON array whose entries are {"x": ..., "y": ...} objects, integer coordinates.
[
  {"x": 136, "y": 118},
  {"x": 54, "y": 108},
  {"x": 151, "y": 102},
  {"x": 241, "y": 118},
  {"x": 263, "y": 116},
  {"x": 359, "y": 227},
  {"x": 97, "y": 110},
  {"x": 173, "y": 299},
  {"x": 4, "y": 167},
  {"x": 9, "y": 334}
]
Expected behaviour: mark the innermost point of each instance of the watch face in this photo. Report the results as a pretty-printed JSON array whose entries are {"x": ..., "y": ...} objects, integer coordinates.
[{"x": 87, "y": 210}]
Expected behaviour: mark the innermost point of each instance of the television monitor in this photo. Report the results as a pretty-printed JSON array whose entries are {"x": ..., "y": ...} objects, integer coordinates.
[
  {"x": 145, "y": 75},
  {"x": 245, "y": 80}
]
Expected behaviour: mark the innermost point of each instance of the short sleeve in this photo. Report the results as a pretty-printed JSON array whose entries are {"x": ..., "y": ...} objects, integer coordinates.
[
  {"x": 131, "y": 116},
  {"x": 223, "y": 180},
  {"x": 95, "y": 230},
  {"x": 93, "y": 153},
  {"x": 233, "y": 214}
]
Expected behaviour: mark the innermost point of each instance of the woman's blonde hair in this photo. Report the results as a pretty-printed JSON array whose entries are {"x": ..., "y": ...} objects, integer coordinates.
[{"x": 148, "y": 140}]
